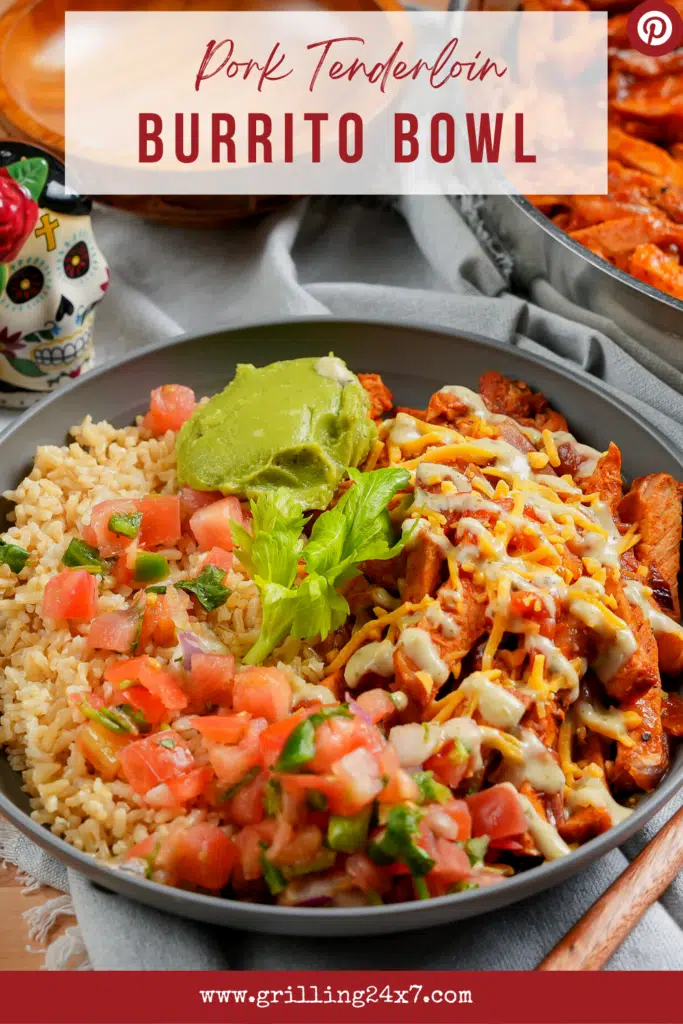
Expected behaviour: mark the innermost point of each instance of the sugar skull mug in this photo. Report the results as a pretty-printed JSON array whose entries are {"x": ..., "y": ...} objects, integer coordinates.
[{"x": 52, "y": 275}]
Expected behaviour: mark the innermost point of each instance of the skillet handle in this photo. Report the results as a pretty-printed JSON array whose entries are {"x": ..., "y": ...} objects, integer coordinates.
[{"x": 593, "y": 939}]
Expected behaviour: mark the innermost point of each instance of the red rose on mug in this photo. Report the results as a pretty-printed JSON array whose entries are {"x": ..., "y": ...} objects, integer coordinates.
[{"x": 18, "y": 215}]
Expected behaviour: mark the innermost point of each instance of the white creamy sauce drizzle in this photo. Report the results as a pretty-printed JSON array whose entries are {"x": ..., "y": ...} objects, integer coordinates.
[
  {"x": 404, "y": 429},
  {"x": 374, "y": 657},
  {"x": 437, "y": 618},
  {"x": 433, "y": 475},
  {"x": 421, "y": 649},
  {"x": 555, "y": 661},
  {"x": 621, "y": 641},
  {"x": 496, "y": 705},
  {"x": 334, "y": 369},
  {"x": 590, "y": 457},
  {"x": 604, "y": 549},
  {"x": 591, "y": 791},
  {"x": 639, "y": 594},
  {"x": 538, "y": 766},
  {"x": 547, "y": 839},
  {"x": 475, "y": 403},
  {"x": 606, "y": 721}
]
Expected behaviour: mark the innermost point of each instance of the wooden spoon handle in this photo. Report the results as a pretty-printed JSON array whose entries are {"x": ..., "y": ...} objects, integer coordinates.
[{"x": 593, "y": 939}]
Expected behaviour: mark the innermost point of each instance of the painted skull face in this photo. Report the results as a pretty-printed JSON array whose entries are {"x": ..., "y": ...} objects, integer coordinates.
[{"x": 50, "y": 291}]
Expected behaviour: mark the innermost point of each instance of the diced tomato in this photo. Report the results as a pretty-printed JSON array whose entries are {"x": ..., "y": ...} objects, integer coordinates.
[
  {"x": 211, "y": 678},
  {"x": 246, "y": 806},
  {"x": 221, "y": 728},
  {"x": 149, "y": 673},
  {"x": 447, "y": 765},
  {"x": 115, "y": 631},
  {"x": 232, "y": 763},
  {"x": 333, "y": 739},
  {"x": 513, "y": 845},
  {"x": 366, "y": 874},
  {"x": 377, "y": 704},
  {"x": 158, "y": 626},
  {"x": 160, "y": 525},
  {"x": 497, "y": 812},
  {"x": 219, "y": 558},
  {"x": 328, "y": 785},
  {"x": 101, "y": 748},
  {"x": 301, "y": 848},
  {"x": 190, "y": 786},
  {"x": 273, "y": 739},
  {"x": 204, "y": 856},
  {"x": 191, "y": 500},
  {"x": 169, "y": 407},
  {"x": 452, "y": 863},
  {"x": 248, "y": 843},
  {"x": 360, "y": 775},
  {"x": 144, "y": 849},
  {"x": 141, "y": 699},
  {"x": 460, "y": 813},
  {"x": 158, "y": 758},
  {"x": 122, "y": 571},
  {"x": 211, "y": 524},
  {"x": 182, "y": 790},
  {"x": 400, "y": 787},
  {"x": 263, "y": 692},
  {"x": 98, "y": 534},
  {"x": 71, "y": 594}
]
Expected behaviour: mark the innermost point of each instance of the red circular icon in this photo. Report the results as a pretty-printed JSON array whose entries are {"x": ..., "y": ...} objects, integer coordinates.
[{"x": 655, "y": 28}]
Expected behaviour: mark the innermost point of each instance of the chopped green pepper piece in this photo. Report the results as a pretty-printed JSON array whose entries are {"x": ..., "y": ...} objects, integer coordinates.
[
  {"x": 80, "y": 555},
  {"x": 421, "y": 890},
  {"x": 150, "y": 567},
  {"x": 463, "y": 886},
  {"x": 348, "y": 835},
  {"x": 300, "y": 746},
  {"x": 207, "y": 587},
  {"x": 273, "y": 877},
  {"x": 322, "y": 862},
  {"x": 476, "y": 849},
  {"x": 169, "y": 743},
  {"x": 396, "y": 842},
  {"x": 430, "y": 789},
  {"x": 272, "y": 798},
  {"x": 13, "y": 556},
  {"x": 156, "y": 590},
  {"x": 125, "y": 524}
]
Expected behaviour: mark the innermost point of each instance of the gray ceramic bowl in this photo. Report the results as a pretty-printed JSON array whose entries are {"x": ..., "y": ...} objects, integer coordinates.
[{"x": 414, "y": 362}]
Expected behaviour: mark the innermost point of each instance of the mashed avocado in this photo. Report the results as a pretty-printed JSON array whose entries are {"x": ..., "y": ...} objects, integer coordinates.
[{"x": 294, "y": 424}]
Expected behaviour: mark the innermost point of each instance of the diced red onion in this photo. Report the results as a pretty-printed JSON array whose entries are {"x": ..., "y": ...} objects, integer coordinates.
[
  {"x": 356, "y": 709},
  {"x": 190, "y": 645},
  {"x": 442, "y": 824}
]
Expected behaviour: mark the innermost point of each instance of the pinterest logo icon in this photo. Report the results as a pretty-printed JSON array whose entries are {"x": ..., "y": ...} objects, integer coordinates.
[{"x": 655, "y": 28}]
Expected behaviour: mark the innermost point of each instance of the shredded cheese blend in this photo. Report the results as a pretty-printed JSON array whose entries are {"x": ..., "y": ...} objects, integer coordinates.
[{"x": 533, "y": 559}]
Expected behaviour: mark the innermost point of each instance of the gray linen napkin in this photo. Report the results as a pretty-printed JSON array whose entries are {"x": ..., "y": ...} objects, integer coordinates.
[{"x": 417, "y": 261}]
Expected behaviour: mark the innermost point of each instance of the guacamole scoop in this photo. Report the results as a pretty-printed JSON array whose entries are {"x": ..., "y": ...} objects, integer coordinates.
[{"x": 296, "y": 424}]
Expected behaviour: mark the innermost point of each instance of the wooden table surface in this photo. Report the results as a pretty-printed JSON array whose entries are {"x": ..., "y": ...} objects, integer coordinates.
[{"x": 14, "y": 956}]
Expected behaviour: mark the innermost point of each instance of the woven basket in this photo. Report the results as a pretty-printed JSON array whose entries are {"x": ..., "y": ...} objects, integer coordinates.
[{"x": 28, "y": 21}]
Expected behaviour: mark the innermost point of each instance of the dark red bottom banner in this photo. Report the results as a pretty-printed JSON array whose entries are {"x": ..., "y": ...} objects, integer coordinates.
[{"x": 346, "y": 997}]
